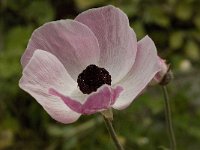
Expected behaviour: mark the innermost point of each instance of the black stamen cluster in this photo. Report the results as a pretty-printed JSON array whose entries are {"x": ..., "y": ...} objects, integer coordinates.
[{"x": 92, "y": 78}]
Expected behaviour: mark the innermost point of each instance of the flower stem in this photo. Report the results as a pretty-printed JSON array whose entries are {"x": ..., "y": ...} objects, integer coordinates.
[
  {"x": 113, "y": 135},
  {"x": 169, "y": 119}
]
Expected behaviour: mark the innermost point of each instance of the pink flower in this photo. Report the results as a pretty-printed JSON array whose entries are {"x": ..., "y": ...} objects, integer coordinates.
[{"x": 100, "y": 51}]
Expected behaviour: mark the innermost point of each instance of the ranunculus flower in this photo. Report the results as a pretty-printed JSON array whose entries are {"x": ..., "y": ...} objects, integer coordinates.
[{"x": 87, "y": 65}]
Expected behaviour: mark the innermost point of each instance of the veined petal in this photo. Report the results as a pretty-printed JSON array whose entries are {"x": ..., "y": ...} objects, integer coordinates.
[
  {"x": 72, "y": 42},
  {"x": 101, "y": 100},
  {"x": 143, "y": 70},
  {"x": 45, "y": 71},
  {"x": 117, "y": 41}
]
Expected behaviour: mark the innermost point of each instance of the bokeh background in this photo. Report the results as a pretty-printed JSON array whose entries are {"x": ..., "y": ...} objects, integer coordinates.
[{"x": 174, "y": 25}]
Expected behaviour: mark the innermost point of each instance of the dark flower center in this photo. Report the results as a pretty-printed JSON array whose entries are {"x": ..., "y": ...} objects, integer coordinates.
[{"x": 92, "y": 78}]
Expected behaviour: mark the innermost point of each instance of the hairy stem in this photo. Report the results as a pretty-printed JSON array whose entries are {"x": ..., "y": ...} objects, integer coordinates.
[
  {"x": 169, "y": 119},
  {"x": 113, "y": 135}
]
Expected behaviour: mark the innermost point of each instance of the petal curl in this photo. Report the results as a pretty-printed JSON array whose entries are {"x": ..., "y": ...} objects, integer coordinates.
[
  {"x": 117, "y": 41},
  {"x": 142, "y": 72},
  {"x": 101, "y": 100},
  {"x": 43, "y": 71},
  {"x": 72, "y": 42}
]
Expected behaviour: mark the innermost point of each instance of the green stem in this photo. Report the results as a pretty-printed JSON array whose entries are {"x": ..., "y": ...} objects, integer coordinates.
[
  {"x": 113, "y": 135},
  {"x": 169, "y": 119}
]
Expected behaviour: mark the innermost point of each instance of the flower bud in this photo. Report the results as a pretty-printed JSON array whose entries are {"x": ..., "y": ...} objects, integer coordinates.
[{"x": 164, "y": 76}]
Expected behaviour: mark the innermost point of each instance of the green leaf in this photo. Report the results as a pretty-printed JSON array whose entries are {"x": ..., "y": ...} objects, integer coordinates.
[
  {"x": 139, "y": 29},
  {"x": 39, "y": 11},
  {"x": 17, "y": 38},
  {"x": 15, "y": 43},
  {"x": 84, "y": 4},
  {"x": 130, "y": 8},
  {"x": 176, "y": 39},
  {"x": 183, "y": 11},
  {"x": 192, "y": 50},
  {"x": 155, "y": 14},
  {"x": 197, "y": 21}
]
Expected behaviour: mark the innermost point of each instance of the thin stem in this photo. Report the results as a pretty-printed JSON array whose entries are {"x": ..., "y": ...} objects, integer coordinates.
[
  {"x": 169, "y": 119},
  {"x": 112, "y": 133}
]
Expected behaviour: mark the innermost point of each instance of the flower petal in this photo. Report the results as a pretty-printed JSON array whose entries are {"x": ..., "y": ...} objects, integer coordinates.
[
  {"x": 45, "y": 71},
  {"x": 143, "y": 70},
  {"x": 72, "y": 42},
  {"x": 95, "y": 102},
  {"x": 117, "y": 41}
]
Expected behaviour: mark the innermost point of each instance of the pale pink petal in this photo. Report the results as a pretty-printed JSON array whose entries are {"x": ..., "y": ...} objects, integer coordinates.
[
  {"x": 73, "y": 43},
  {"x": 116, "y": 92},
  {"x": 45, "y": 71},
  {"x": 74, "y": 105},
  {"x": 116, "y": 39},
  {"x": 95, "y": 102},
  {"x": 143, "y": 70}
]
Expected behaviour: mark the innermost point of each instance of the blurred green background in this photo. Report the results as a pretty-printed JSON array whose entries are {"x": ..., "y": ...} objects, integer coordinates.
[{"x": 174, "y": 25}]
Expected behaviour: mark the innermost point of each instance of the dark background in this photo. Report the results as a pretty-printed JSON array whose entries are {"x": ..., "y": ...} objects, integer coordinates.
[{"x": 173, "y": 25}]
